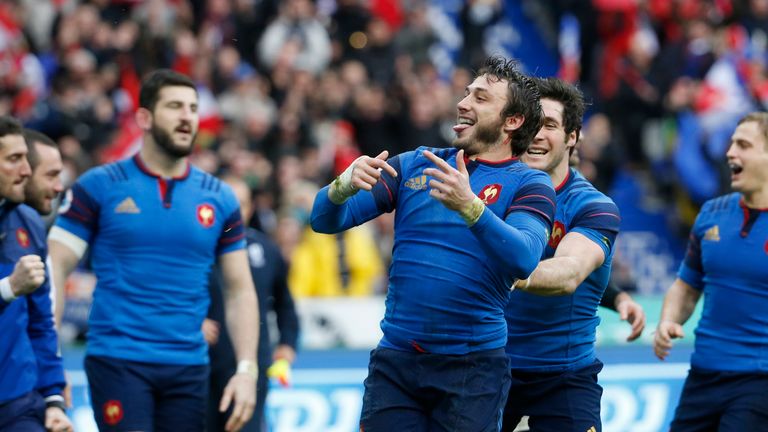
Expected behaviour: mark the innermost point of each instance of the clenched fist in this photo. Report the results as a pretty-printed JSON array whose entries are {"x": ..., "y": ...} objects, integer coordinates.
[{"x": 28, "y": 275}]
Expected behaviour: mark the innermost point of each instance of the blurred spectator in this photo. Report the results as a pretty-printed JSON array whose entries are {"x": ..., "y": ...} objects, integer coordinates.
[{"x": 296, "y": 38}]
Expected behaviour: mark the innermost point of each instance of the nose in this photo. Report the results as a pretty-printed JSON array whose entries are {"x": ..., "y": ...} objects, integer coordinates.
[
  {"x": 539, "y": 135},
  {"x": 25, "y": 170},
  {"x": 731, "y": 153},
  {"x": 58, "y": 187},
  {"x": 463, "y": 105}
]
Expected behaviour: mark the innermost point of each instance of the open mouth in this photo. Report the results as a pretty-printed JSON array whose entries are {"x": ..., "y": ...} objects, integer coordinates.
[
  {"x": 537, "y": 151},
  {"x": 735, "y": 168},
  {"x": 463, "y": 124}
]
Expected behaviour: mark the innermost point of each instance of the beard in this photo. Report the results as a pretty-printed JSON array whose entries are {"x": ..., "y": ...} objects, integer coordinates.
[
  {"x": 164, "y": 141},
  {"x": 483, "y": 137}
]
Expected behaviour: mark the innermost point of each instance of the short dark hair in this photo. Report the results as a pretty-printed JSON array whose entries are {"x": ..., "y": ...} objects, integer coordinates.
[
  {"x": 522, "y": 98},
  {"x": 155, "y": 81},
  {"x": 32, "y": 137},
  {"x": 568, "y": 95},
  {"x": 9, "y": 126}
]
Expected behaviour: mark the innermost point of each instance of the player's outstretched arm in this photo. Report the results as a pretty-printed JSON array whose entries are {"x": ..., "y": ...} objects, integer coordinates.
[
  {"x": 679, "y": 303},
  {"x": 242, "y": 312},
  {"x": 575, "y": 258}
]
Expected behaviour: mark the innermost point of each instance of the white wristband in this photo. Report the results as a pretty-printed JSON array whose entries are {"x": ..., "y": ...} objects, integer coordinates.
[
  {"x": 6, "y": 291},
  {"x": 248, "y": 367}
]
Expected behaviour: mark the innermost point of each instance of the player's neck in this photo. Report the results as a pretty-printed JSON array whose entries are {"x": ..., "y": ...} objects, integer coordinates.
[
  {"x": 495, "y": 153},
  {"x": 757, "y": 199},
  {"x": 160, "y": 163},
  {"x": 559, "y": 174}
]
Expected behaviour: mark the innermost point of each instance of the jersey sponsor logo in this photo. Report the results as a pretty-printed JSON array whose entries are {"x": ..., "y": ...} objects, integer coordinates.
[
  {"x": 22, "y": 236},
  {"x": 592, "y": 429},
  {"x": 712, "y": 234},
  {"x": 490, "y": 194},
  {"x": 558, "y": 232},
  {"x": 417, "y": 183},
  {"x": 113, "y": 412},
  {"x": 205, "y": 215},
  {"x": 127, "y": 205}
]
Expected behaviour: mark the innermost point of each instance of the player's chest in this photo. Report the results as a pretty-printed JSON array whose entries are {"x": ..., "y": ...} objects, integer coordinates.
[
  {"x": 133, "y": 216},
  {"x": 496, "y": 193},
  {"x": 725, "y": 251}
]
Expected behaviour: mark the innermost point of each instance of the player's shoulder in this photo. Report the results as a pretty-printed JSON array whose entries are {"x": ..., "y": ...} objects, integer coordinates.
[
  {"x": 579, "y": 188},
  {"x": 106, "y": 174},
  {"x": 721, "y": 203},
  {"x": 206, "y": 181}
]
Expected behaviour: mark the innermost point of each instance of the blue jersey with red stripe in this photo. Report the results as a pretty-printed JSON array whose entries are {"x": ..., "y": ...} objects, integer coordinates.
[
  {"x": 152, "y": 243},
  {"x": 448, "y": 284},
  {"x": 558, "y": 333},
  {"x": 727, "y": 260},
  {"x": 28, "y": 345}
]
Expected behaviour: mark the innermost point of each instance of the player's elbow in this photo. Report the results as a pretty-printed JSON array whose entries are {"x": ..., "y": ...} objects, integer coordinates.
[
  {"x": 320, "y": 226},
  {"x": 521, "y": 269}
]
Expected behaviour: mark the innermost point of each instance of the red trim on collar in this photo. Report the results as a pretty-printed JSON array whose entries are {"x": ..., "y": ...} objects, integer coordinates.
[
  {"x": 565, "y": 180},
  {"x": 499, "y": 162}
]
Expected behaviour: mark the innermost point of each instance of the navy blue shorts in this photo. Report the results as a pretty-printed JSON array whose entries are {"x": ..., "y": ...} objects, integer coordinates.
[
  {"x": 25, "y": 413},
  {"x": 555, "y": 401},
  {"x": 136, "y": 396},
  {"x": 411, "y": 391},
  {"x": 722, "y": 401}
]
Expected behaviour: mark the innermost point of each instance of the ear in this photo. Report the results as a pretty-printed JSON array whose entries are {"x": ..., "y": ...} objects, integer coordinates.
[
  {"x": 144, "y": 119},
  {"x": 513, "y": 123},
  {"x": 572, "y": 140}
]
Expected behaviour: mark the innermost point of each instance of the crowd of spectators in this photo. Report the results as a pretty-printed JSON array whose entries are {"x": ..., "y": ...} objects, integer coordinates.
[{"x": 292, "y": 91}]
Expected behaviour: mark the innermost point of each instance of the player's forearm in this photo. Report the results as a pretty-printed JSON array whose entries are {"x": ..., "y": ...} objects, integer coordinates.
[
  {"x": 62, "y": 262},
  {"x": 554, "y": 277},
  {"x": 679, "y": 302},
  {"x": 242, "y": 311},
  {"x": 516, "y": 248}
]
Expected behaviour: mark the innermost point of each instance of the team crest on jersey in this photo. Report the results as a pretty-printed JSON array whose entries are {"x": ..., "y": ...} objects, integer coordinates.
[
  {"x": 558, "y": 232},
  {"x": 417, "y": 183},
  {"x": 22, "y": 236},
  {"x": 712, "y": 234},
  {"x": 490, "y": 194},
  {"x": 766, "y": 246},
  {"x": 113, "y": 412},
  {"x": 206, "y": 215}
]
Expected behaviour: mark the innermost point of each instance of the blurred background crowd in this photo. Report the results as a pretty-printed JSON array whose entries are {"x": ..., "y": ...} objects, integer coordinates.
[{"x": 291, "y": 91}]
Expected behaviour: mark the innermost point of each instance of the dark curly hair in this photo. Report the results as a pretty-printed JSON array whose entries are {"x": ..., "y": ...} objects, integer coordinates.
[
  {"x": 568, "y": 95},
  {"x": 522, "y": 98}
]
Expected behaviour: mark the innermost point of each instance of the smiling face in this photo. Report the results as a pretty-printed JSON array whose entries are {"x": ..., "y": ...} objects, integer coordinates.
[
  {"x": 45, "y": 183},
  {"x": 550, "y": 148},
  {"x": 14, "y": 168},
  {"x": 480, "y": 124},
  {"x": 748, "y": 158},
  {"x": 175, "y": 120}
]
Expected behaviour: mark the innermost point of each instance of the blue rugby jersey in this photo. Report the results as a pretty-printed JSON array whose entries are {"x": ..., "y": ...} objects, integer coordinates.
[
  {"x": 449, "y": 284},
  {"x": 727, "y": 259},
  {"x": 28, "y": 343},
  {"x": 152, "y": 243},
  {"x": 558, "y": 333}
]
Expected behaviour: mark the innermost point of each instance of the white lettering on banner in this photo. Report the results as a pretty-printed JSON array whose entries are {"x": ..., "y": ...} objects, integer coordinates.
[
  {"x": 620, "y": 407},
  {"x": 311, "y": 410}
]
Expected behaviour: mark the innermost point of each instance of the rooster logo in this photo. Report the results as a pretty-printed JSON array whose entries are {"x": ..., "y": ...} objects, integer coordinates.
[
  {"x": 490, "y": 194},
  {"x": 205, "y": 215},
  {"x": 22, "y": 236},
  {"x": 113, "y": 412},
  {"x": 558, "y": 232}
]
